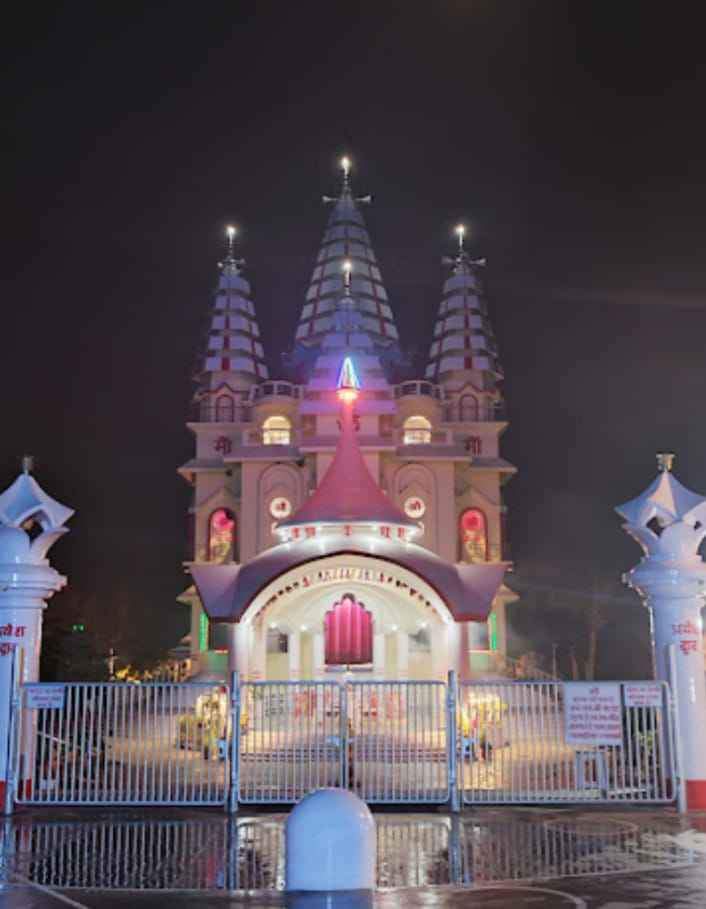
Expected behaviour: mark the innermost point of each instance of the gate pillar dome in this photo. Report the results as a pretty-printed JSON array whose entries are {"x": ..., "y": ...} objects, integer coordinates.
[
  {"x": 669, "y": 523},
  {"x": 27, "y": 581}
]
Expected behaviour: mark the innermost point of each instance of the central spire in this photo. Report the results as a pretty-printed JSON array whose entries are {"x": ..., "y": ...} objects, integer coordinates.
[{"x": 345, "y": 241}]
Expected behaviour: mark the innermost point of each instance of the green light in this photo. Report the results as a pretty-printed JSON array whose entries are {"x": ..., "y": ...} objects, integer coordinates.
[
  {"x": 493, "y": 628},
  {"x": 79, "y": 626},
  {"x": 203, "y": 631}
]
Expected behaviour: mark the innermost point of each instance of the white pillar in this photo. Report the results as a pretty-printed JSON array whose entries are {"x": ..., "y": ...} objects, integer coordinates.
[
  {"x": 671, "y": 578},
  {"x": 294, "y": 655},
  {"x": 319, "y": 656},
  {"x": 460, "y": 650},
  {"x": 27, "y": 581},
  {"x": 238, "y": 649},
  {"x": 402, "y": 641},
  {"x": 257, "y": 663},
  {"x": 379, "y": 655},
  {"x": 439, "y": 640}
]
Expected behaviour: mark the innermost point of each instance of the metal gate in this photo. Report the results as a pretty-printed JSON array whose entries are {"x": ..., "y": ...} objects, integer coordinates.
[
  {"x": 120, "y": 743},
  {"x": 384, "y": 740},
  {"x": 416, "y": 742},
  {"x": 513, "y": 747},
  {"x": 291, "y": 740},
  {"x": 397, "y": 741}
]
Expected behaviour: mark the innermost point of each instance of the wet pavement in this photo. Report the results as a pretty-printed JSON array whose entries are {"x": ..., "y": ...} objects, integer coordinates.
[{"x": 494, "y": 858}]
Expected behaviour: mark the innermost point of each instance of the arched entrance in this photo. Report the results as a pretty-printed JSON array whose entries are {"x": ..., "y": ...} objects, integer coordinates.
[{"x": 282, "y": 634}]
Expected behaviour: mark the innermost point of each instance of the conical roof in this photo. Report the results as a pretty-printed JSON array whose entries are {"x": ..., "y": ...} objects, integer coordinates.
[
  {"x": 346, "y": 238},
  {"x": 464, "y": 345},
  {"x": 234, "y": 350},
  {"x": 348, "y": 494}
]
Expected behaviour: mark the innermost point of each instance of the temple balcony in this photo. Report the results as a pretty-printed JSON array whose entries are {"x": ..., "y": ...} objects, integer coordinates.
[
  {"x": 454, "y": 412},
  {"x": 206, "y": 412},
  {"x": 419, "y": 388},
  {"x": 268, "y": 390}
]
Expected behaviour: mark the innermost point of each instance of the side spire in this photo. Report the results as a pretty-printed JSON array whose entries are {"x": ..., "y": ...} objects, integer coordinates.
[
  {"x": 346, "y": 240},
  {"x": 234, "y": 351},
  {"x": 464, "y": 347}
]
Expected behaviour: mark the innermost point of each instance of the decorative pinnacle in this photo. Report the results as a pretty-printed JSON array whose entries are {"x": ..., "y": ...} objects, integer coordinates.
[
  {"x": 347, "y": 268},
  {"x": 230, "y": 234},
  {"x": 346, "y": 168},
  {"x": 27, "y": 463},
  {"x": 665, "y": 461}
]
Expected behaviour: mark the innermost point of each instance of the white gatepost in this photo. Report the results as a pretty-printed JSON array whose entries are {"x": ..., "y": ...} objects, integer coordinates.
[
  {"x": 27, "y": 581},
  {"x": 669, "y": 523}
]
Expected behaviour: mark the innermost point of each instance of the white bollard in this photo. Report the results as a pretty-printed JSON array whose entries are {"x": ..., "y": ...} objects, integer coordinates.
[{"x": 330, "y": 845}]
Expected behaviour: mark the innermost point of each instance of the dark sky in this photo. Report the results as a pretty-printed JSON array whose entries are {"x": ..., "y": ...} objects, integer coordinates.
[{"x": 569, "y": 136}]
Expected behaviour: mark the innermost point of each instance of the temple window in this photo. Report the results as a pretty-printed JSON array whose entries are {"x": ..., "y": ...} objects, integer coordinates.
[
  {"x": 225, "y": 410},
  {"x": 221, "y": 536},
  {"x": 276, "y": 431},
  {"x": 473, "y": 530},
  {"x": 417, "y": 430},
  {"x": 468, "y": 408}
]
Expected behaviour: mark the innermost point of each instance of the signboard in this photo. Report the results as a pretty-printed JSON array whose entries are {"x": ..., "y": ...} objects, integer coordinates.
[
  {"x": 642, "y": 694},
  {"x": 593, "y": 713},
  {"x": 40, "y": 698}
]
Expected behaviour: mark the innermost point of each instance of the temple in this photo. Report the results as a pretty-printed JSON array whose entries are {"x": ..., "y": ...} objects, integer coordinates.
[{"x": 348, "y": 517}]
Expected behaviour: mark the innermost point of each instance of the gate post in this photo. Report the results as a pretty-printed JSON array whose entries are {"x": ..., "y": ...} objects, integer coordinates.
[
  {"x": 12, "y": 742},
  {"x": 27, "y": 581},
  {"x": 234, "y": 774},
  {"x": 669, "y": 523},
  {"x": 452, "y": 740}
]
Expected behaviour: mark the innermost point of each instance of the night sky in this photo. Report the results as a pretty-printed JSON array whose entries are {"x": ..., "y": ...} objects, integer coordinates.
[{"x": 568, "y": 136}]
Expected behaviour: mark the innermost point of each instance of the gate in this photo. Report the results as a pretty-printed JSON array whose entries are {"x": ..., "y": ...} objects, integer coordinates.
[
  {"x": 513, "y": 747},
  {"x": 292, "y": 740},
  {"x": 384, "y": 740},
  {"x": 398, "y": 749},
  {"x": 416, "y": 742},
  {"x": 89, "y": 743}
]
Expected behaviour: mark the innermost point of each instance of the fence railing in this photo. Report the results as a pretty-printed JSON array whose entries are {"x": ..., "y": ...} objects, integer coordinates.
[
  {"x": 414, "y": 742},
  {"x": 515, "y": 746},
  {"x": 121, "y": 743}
]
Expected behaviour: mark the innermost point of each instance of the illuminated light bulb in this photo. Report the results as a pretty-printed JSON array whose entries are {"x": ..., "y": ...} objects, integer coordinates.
[
  {"x": 347, "y": 266},
  {"x": 346, "y": 164},
  {"x": 460, "y": 233},
  {"x": 303, "y": 627},
  {"x": 231, "y": 231},
  {"x": 348, "y": 395},
  {"x": 393, "y": 627}
]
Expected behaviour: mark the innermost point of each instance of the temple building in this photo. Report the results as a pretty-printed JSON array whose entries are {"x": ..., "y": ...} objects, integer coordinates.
[{"x": 346, "y": 516}]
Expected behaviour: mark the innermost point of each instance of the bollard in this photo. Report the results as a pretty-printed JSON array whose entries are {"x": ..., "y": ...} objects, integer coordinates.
[{"x": 330, "y": 851}]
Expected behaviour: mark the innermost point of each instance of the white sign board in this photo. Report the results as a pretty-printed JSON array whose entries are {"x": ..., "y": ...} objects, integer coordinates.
[
  {"x": 593, "y": 713},
  {"x": 46, "y": 698},
  {"x": 642, "y": 694}
]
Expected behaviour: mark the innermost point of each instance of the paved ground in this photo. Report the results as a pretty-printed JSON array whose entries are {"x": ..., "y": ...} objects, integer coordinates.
[{"x": 502, "y": 859}]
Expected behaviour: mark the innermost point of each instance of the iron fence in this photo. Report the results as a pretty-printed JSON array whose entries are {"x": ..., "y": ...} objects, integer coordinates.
[
  {"x": 514, "y": 748},
  {"x": 121, "y": 743},
  {"x": 413, "y": 742}
]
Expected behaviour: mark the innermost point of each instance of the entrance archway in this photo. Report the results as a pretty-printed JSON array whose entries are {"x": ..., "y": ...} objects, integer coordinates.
[{"x": 285, "y": 623}]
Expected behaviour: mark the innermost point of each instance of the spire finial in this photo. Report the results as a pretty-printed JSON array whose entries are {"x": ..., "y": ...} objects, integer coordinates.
[
  {"x": 27, "y": 463},
  {"x": 231, "y": 231},
  {"x": 460, "y": 231},
  {"x": 665, "y": 461},
  {"x": 347, "y": 268},
  {"x": 346, "y": 168}
]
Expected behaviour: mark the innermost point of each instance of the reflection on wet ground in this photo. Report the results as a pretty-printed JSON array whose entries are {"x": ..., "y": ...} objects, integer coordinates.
[{"x": 209, "y": 855}]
